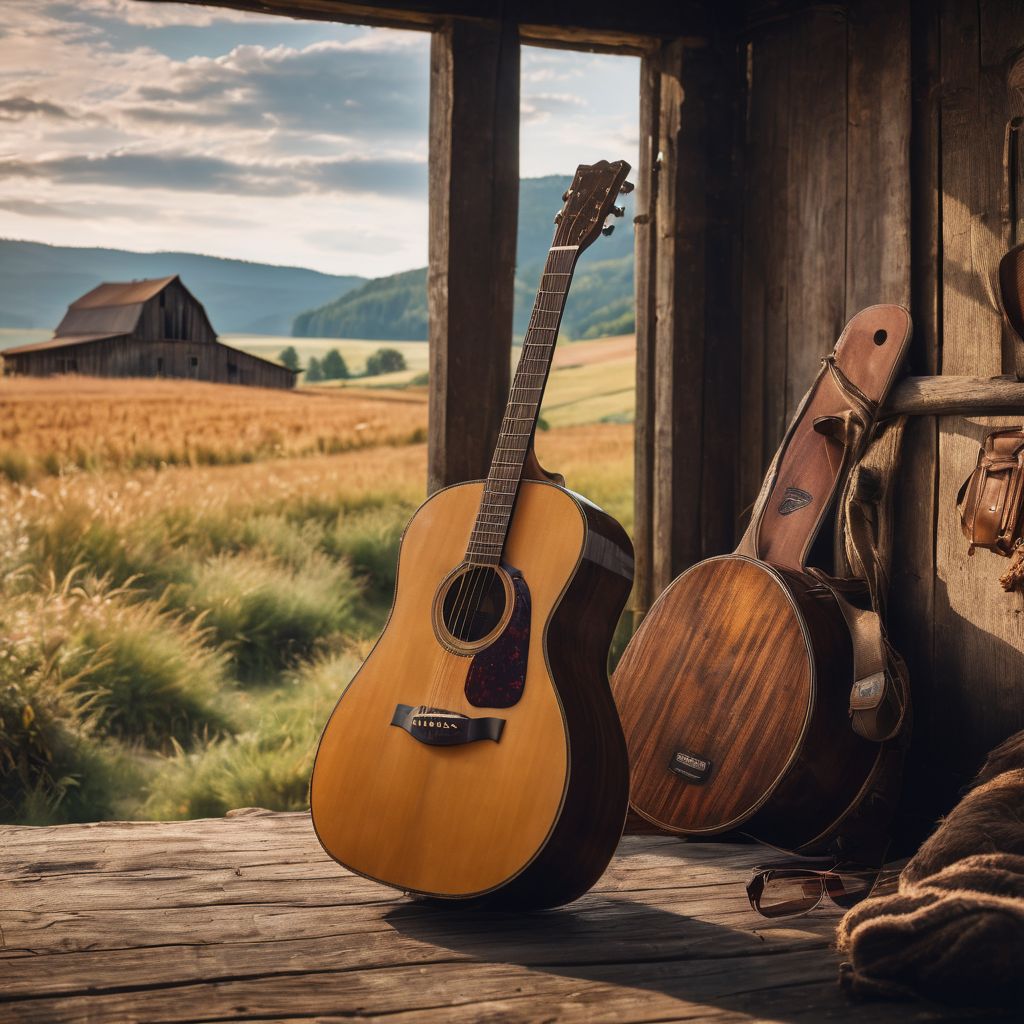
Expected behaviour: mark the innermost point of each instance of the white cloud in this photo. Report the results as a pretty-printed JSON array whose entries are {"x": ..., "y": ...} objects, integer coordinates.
[
  {"x": 262, "y": 138},
  {"x": 148, "y": 14}
]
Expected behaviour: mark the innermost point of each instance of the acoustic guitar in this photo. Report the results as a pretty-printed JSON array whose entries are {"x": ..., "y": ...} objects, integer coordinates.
[
  {"x": 477, "y": 754},
  {"x": 735, "y": 690}
]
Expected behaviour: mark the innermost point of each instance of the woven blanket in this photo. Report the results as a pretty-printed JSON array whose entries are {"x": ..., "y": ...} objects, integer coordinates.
[{"x": 954, "y": 930}]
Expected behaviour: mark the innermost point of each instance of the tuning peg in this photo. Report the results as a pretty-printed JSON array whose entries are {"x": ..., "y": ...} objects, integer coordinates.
[
  {"x": 566, "y": 194},
  {"x": 558, "y": 217},
  {"x": 625, "y": 188},
  {"x": 607, "y": 229},
  {"x": 618, "y": 211}
]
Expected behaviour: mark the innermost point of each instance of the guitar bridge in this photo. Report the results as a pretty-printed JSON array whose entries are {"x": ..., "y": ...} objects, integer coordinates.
[{"x": 440, "y": 728}]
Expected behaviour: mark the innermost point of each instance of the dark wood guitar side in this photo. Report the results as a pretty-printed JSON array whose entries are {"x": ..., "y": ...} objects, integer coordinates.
[
  {"x": 734, "y": 692},
  {"x": 477, "y": 755}
]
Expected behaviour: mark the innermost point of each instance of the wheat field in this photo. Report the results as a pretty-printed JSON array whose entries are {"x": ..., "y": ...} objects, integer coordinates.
[{"x": 60, "y": 423}]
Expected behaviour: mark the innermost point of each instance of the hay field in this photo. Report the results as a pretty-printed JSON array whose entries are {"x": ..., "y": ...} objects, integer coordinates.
[
  {"x": 59, "y": 423},
  {"x": 191, "y": 573}
]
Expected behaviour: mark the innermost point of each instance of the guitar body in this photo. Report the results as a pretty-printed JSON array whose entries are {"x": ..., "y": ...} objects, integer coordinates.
[
  {"x": 529, "y": 819},
  {"x": 747, "y": 728},
  {"x": 735, "y": 692}
]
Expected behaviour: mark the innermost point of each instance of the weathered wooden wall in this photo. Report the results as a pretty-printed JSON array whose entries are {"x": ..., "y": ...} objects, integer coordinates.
[
  {"x": 874, "y": 172},
  {"x": 131, "y": 357}
]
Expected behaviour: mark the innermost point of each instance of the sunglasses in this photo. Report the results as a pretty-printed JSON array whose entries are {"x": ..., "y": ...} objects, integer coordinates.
[{"x": 788, "y": 888}]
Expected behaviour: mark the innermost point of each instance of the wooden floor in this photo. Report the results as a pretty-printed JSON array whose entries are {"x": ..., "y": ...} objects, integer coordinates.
[{"x": 246, "y": 919}]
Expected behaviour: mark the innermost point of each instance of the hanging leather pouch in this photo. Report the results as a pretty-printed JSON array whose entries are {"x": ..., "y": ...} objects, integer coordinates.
[{"x": 991, "y": 499}]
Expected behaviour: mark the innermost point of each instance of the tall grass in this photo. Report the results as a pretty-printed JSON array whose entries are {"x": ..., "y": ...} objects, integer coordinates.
[
  {"x": 155, "y": 679},
  {"x": 268, "y": 764},
  {"x": 52, "y": 766},
  {"x": 269, "y": 617}
]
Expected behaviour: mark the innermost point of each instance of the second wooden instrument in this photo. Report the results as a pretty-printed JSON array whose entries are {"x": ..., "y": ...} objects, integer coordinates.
[{"x": 735, "y": 691}]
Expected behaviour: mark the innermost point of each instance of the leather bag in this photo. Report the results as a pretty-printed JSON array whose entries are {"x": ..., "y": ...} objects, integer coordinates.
[{"x": 991, "y": 500}]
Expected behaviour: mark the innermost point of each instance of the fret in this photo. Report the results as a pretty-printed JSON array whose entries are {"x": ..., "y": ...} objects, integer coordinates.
[{"x": 487, "y": 540}]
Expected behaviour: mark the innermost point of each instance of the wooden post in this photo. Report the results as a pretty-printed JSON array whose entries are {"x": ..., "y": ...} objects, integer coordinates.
[
  {"x": 645, "y": 247},
  {"x": 474, "y": 199},
  {"x": 687, "y": 388}
]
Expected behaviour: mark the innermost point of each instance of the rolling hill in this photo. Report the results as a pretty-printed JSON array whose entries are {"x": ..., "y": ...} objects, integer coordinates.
[
  {"x": 38, "y": 281},
  {"x": 600, "y": 303}
]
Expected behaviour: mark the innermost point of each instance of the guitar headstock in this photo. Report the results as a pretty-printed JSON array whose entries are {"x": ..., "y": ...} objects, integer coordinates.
[{"x": 589, "y": 200}]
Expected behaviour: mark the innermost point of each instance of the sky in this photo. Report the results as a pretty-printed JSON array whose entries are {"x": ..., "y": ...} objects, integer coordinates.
[{"x": 159, "y": 126}]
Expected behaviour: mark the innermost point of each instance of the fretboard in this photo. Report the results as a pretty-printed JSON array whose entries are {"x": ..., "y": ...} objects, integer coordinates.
[{"x": 487, "y": 540}]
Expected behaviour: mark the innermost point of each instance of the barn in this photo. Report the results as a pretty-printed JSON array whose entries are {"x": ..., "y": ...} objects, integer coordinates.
[{"x": 154, "y": 328}]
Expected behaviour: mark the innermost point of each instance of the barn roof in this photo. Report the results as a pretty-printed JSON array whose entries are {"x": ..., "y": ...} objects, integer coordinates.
[
  {"x": 111, "y": 308},
  {"x": 122, "y": 293},
  {"x": 64, "y": 341}
]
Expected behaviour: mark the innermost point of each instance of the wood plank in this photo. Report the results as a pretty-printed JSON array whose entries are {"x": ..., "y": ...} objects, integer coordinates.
[
  {"x": 878, "y": 154},
  {"x": 816, "y": 197},
  {"x": 678, "y": 343},
  {"x": 644, "y": 243},
  {"x": 721, "y": 79},
  {"x": 474, "y": 198},
  {"x": 912, "y": 578},
  {"x": 764, "y": 284},
  {"x": 582, "y": 24},
  {"x": 666, "y": 935},
  {"x": 695, "y": 337},
  {"x": 978, "y": 669}
]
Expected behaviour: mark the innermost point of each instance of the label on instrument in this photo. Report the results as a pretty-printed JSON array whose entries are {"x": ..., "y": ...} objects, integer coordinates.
[
  {"x": 690, "y": 766},
  {"x": 793, "y": 500}
]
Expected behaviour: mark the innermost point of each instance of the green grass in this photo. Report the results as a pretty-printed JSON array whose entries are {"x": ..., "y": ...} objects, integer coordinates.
[
  {"x": 265, "y": 765},
  {"x": 53, "y": 767},
  {"x": 269, "y": 617},
  {"x": 154, "y": 679}
]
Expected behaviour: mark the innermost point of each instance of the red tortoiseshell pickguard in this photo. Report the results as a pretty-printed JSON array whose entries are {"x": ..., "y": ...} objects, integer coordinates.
[{"x": 497, "y": 674}]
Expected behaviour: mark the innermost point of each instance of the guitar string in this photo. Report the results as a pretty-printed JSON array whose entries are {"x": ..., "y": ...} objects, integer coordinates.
[
  {"x": 513, "y": 473},
  {"x": 562, "y": 264},
  {"x": 467, "y": 604},
  {"x": 556, "y": 256},
  {"x": 559, "y": 263}
]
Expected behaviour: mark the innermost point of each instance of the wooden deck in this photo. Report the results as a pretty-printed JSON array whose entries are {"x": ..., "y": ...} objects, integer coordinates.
[{"x": 245, "y": 918}]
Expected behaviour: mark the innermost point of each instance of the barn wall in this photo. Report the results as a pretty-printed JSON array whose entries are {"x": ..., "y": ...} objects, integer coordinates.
[
  {"x": 174, "y": 313},
  {"x": 874, "y": 172},
  {"x": 128, "y": 357}
]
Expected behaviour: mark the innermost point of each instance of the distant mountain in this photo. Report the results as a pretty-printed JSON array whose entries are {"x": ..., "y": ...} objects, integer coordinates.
[
  {"x": 37, "y": 282},
  {"x": 600, "y": 303}
]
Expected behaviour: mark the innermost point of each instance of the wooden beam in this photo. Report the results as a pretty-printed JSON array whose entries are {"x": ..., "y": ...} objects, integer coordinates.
[
  {"x": 474, "y": 199},
  {"x": 574, "y": 24},
  {"x": 645, "y": 239},
  {"x": 956, "y": 396}
]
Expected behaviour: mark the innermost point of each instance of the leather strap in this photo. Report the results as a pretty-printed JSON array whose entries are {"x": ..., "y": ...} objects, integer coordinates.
[
  {"x": 880, "y": 695},
  {"x": 828, "y": 433}
]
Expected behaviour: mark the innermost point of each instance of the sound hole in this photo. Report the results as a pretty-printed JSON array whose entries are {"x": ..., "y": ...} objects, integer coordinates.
[{"x": 474, "y": 604}]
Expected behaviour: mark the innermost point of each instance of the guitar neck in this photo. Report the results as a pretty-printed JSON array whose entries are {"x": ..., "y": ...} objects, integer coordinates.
[{"x": 487, "y": 540}]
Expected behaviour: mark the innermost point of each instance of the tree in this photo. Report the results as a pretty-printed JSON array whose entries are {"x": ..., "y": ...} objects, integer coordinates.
[
  {"x": 289, "y": 357},
  {"x": 334, "y": 366},
  {"x": 385, "y": 360},
  {"x": 314, "y": 372}
]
